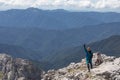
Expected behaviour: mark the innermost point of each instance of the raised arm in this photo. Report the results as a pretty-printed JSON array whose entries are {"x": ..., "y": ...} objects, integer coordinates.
[{"x": 85, "y": 49}]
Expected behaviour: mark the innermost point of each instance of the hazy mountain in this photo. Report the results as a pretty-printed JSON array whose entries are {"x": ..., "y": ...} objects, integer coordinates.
[
  {"x": 20, "y": 28},
  {"x": 109, "y": 46},
  {"x": 54, "y": 37},
  {"x": 17, "y": 51},
  {"x": 54, "y": 19},
  {"x": 49, "y": 41}
]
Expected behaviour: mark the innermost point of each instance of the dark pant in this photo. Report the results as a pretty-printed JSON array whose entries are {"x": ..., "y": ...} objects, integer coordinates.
[{"x": 89, "y": 65}]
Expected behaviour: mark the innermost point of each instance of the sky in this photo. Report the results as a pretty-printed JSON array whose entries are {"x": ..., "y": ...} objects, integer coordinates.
[{"x": 72, "y": 5}]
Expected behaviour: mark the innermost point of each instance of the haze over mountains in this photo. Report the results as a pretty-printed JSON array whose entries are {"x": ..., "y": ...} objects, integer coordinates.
[
  {"x": 49, "y": 41},
  {"x": 48, "y": 35},
  {"x": 56, "y": 19},
  {"x": 18, "y": 51}
]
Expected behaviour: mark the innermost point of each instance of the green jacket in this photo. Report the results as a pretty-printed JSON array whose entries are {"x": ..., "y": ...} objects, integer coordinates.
[{"x": 89, "y": 55}]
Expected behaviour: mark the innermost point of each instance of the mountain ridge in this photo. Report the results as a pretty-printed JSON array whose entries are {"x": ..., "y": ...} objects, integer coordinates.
[
  {"x": 18, "y": 51},
  {"x": 54, "y": 19}
]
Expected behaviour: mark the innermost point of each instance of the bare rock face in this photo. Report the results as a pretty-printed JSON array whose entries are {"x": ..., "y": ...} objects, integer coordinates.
[
  {"x": 108, "y": 70},
  {"x": 18, "y": 69},
  {"x": 22, "y": 69}
]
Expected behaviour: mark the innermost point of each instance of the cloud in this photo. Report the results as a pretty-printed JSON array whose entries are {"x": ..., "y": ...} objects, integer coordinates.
[
  {"x": 62, "y": 4},
  {"x": 107, "y": 4}
]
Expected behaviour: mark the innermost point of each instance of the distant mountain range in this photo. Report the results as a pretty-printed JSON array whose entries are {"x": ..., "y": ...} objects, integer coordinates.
[
  {"x": 52, "y": 36},
  {"x": 47, "y": 42},
  {"x": 17, "y": 51},
  {"x": 54, "y": 19}
]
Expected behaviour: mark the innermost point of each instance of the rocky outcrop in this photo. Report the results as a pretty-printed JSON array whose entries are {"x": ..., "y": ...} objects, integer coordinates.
[
  {"x": 22, "y": 69},
  {"x": 18, "y": 69},
  {"x": 108, "y": 70}
]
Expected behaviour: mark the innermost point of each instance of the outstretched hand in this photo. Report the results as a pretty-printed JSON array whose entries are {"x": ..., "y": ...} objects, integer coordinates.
[{"x": 84, "y": 45}]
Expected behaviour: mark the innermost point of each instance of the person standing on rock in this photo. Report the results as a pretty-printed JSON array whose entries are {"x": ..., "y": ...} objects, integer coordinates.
[{"x": 89, "y": 56}]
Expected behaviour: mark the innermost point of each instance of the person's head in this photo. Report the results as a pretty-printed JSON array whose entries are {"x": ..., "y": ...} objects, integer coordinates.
[{"x": 88, "y": 49}]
